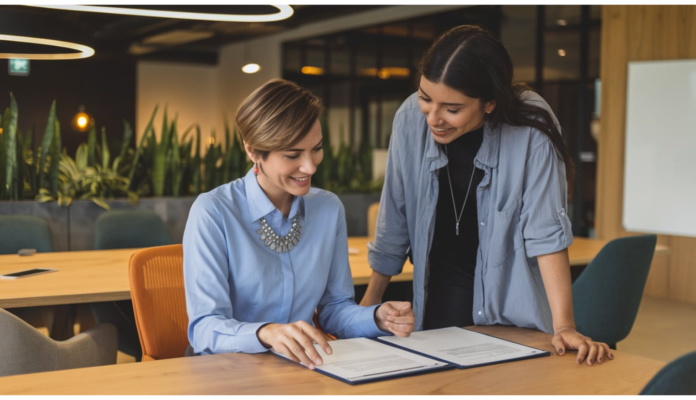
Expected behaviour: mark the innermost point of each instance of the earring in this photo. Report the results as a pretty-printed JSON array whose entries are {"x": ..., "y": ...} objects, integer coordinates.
[{"x": 256, "y": 170}]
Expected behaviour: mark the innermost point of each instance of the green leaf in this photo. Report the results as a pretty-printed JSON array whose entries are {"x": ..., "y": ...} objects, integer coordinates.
[
  {"x": 92, "y": 146},
  {"x": 101, "y": 203},
  {"x": 159, "y": 166},
  {"x": 53, "y": 168},
  {"x": 105, "y": 150},
  {"x": 139, "y": 150},
  {"x": 196, "y": 179},
  {"x": 10, "y": 149},
  {"x": 3, "y": 156},
  {"x": 127, "y": 135},
  {"x": 176, "y": 170},
  {"x": 81, "y": 157},
  {"x": 47, "y": 140}
]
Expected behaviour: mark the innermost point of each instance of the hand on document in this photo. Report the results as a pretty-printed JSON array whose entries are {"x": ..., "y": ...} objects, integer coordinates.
[
  {"x": 396, "y": 317},
  {"x": 569, "y": 338},
  {"x": 294, "y": 340}
]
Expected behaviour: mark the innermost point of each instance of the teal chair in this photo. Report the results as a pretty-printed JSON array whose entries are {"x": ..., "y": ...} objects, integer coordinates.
[
  {"x": 24, "y": 232},
  {"x": 676, "y": 378},
  {"x": 124, "y": 230},
  {"x": 607, "y": 294},
  {"x": 130, "y": 229},
  {"x": 27, "y": 232}
]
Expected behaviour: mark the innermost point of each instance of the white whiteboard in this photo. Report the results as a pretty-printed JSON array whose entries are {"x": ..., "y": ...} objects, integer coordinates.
[{"x": 660, "y": 159}]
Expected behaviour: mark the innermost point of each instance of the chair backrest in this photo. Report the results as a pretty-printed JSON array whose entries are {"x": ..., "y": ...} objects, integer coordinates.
[
  {"x": 607, "y": 294},
  {"x": 25, "y": 350},
  {"x": 125, "y": 229},
  {"x": 676, "y": 378},
  {"x": 159, "y": 301},
  {"x": 372, "y": 212},
  {"x": 24, "y": 232}
]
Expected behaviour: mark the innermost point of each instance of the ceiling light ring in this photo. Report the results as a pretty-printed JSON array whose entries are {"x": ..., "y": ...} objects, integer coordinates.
[
  {"x": 284, "y": 12},
  {"x": 84, "y": 51}
]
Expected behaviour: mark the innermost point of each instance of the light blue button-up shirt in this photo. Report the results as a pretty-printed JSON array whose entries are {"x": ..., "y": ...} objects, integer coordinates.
[
  {"x": 235, "y": 284},
  {"x": 521, "y": 203}
]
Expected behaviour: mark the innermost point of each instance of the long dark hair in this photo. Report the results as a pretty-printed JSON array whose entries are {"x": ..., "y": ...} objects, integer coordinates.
[{"x": 472, "y": 61}]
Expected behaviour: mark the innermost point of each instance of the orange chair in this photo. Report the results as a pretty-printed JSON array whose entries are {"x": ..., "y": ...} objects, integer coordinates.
[
  {"x": 159, "y": 301},
  {"x": 372, "y": 212}
]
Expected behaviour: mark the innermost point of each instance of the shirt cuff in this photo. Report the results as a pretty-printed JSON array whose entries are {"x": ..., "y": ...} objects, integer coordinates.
[
  {"x": 369, "y": 325},
  {"x": 385, "y": 264},
  {"x": 246, "y": 340},
  {"x": 561, "y": 239}
]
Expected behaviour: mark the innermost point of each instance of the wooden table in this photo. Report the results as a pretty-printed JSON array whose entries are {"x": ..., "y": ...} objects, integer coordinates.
[
  {"x": 580, "y": 253},
  {"x": 252, "y": 374},
  {"x": 102, "y": 275}
]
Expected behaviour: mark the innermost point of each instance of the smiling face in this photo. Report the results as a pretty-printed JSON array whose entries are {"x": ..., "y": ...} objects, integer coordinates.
[
  {"x": 450, "y": 114},
  {"x": 287, "y": 173}
]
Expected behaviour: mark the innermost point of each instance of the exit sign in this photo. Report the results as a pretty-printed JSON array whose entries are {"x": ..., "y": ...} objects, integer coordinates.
[{"x": 19, "y": 67}]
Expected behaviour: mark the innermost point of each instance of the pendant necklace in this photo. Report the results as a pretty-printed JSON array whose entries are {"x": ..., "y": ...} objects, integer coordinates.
[
  {"x": 277, "y": 243},
  {"x": 454, "y": 205}
]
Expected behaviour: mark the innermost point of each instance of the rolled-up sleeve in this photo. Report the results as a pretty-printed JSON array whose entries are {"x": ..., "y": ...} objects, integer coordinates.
[
  {"x": 387, "y": 253},
  {"x": 544, "y": 220},
  {"x": 212, "y": 327},
  {"x": 338, "y": 312}
]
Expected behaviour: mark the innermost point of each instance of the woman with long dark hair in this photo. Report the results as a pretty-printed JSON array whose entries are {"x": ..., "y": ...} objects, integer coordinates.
[{"x": 475, "y": 192}]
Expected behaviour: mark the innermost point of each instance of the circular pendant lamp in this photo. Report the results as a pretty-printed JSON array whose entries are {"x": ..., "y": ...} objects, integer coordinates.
[
  {"x": 284, "y": 12},
  {"x": 35, "y": 36}
]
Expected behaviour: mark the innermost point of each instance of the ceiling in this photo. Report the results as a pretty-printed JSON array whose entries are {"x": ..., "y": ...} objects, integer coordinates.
[{"x": 146, "y": 38}]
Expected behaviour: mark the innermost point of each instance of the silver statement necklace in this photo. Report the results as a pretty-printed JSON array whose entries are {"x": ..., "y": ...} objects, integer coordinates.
[
  {"x": 454, "y": 205},
  {"x": 277, "y": 243}
]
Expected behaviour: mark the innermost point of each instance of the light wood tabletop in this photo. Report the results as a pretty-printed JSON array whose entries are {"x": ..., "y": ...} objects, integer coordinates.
[
  {"x": 252, "y": 374},
  {"x": 102, "y": 275},
  {"x": 580, "y": 253},
  {"x": 82, "y": 277}
]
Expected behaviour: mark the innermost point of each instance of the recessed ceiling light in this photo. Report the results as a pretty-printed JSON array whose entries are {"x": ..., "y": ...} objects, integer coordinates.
[
  {"x": 84, "y": 51},
  {"x": 284, "y": 12},
  {"x": 251, "y": 68},
  {"x": 561, "y": 52}
]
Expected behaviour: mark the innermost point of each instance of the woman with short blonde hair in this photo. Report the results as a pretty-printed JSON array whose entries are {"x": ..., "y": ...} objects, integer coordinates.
[{"x": 262, "y": 252}]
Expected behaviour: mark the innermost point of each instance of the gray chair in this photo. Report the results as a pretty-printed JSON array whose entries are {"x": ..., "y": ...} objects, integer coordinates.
[{"x": 24, "y": 350}]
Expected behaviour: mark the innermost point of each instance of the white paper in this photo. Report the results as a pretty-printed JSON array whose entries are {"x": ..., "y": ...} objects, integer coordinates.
[
  {"x": 362, "y": 359},
  {"x": 462, "y": 347}
]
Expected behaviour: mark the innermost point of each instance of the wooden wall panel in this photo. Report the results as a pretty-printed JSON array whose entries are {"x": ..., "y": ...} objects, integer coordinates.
[{"x": 640, "y": 33}]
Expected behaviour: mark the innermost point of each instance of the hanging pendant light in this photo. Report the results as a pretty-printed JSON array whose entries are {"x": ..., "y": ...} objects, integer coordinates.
[{"x": 250, "y": 67}]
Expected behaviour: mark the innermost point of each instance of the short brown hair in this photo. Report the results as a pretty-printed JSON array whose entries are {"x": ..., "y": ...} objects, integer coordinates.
[{"x": 277, "y": 115}]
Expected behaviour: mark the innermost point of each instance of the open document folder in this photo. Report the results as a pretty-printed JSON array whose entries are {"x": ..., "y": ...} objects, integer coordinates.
[{"x": 368, "y": 360}]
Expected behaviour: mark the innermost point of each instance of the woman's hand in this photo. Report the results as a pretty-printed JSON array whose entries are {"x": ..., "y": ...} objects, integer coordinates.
[
  {"x": 571, "y": 339},
  {"x": 396, "y": 317},
  {"x": 294, "y": 340}
]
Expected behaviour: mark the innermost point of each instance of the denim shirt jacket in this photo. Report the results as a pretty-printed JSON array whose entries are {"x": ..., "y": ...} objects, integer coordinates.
[{"x": 521, "y": 214}]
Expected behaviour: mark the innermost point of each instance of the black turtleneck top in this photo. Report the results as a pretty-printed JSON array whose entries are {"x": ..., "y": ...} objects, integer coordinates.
[{"x": 453, "y": 257}]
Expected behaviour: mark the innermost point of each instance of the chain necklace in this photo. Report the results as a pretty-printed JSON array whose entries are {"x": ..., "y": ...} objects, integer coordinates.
[
  {"x": 277, "y": 243},
  {"x": 454, "y": 205}
]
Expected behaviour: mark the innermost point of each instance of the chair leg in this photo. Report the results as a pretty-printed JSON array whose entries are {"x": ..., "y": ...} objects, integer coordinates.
[
  {"x": 120, "y": 314},
  {"x": 60, "y": 321}
]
